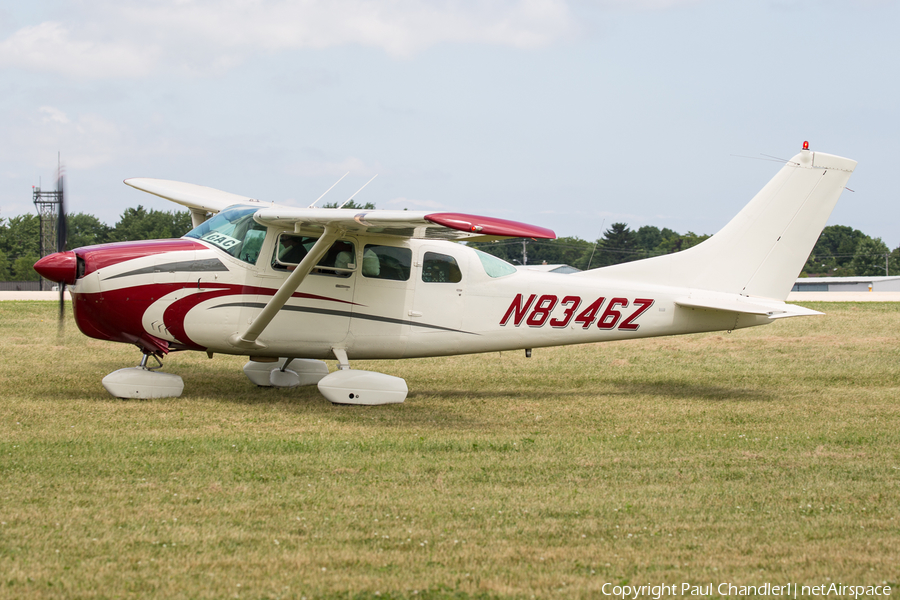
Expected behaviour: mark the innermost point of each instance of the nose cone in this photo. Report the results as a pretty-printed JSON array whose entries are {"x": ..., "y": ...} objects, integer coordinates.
[{"x": 61, "y": 267}]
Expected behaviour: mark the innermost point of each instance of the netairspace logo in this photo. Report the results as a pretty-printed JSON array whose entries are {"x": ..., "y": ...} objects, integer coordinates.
[{"x": 788, "y": 590}]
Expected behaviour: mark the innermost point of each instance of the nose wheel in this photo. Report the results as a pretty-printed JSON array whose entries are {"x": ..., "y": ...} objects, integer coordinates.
[{"x": 143, "y": 382}]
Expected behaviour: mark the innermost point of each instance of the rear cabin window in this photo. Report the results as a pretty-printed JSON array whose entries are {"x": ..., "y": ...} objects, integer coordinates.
[
  {"x": 386, "y": 262},
  {"x": 339, "y": 261},
  {"x": 440, "y": 268},
  {"x": 493, "y": 266}
]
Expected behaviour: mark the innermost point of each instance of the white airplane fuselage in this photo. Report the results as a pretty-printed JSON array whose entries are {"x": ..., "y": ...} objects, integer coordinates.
[{"x": 168, "y": 296}]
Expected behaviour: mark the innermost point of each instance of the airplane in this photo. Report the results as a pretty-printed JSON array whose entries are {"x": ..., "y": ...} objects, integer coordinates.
[{"x": 290, "y": 287}]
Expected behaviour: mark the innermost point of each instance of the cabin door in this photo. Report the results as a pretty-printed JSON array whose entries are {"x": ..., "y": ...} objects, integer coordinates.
[
  {"x": 382, "y": 299},
  {"x": 440, "y": 286}
]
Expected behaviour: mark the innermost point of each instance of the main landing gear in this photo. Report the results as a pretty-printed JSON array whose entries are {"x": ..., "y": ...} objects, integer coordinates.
[
  {"x": 143, "y": 382},
  {"x": 344, "y": 386},
  {"x": 285, "y": 372}
]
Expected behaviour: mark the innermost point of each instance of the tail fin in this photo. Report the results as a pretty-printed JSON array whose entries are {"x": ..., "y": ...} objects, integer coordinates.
[{"x": 761, "y": 251}]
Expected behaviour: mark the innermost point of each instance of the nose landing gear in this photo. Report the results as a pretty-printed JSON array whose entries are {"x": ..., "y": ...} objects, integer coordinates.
[{"x": 143, "y": 382}]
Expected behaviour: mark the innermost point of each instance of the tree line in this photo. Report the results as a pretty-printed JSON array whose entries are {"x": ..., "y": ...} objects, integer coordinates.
[
  {"x": 20, "y": 235},
  {"x": 619, "y": 244},
  {"x": 841, "y": 251},
  {"x": 20, "y": 242}
]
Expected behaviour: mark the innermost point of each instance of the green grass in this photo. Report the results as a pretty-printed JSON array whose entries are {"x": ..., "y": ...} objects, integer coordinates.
[{"x": 764, "y": 455}]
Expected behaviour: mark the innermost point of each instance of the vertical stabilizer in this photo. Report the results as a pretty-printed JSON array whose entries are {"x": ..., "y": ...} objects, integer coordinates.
[{"x": 761, "y": 251}]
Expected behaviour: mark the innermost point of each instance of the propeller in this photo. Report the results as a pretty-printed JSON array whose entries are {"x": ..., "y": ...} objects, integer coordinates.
[{"x": 62, "y": 232}]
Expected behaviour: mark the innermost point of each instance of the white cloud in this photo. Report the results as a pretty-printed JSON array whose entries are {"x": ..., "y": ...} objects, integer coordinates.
[
  {"x": 645, "y": 4},
  {"x": 399, "y": 27},
  {"x": 131, "y": 38},
  {"x": 51, "y": 47},
  {"x": 86, "y": 141},
  {"x": 53, "y": 114}
]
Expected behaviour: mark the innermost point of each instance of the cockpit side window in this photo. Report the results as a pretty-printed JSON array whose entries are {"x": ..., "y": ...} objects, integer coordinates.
[
  {"x": 386, "y": 262},
  {"x": 291, "y": 249},
  {"x": 339, "y": 261},
  {"x": 440, "y": 268},
  {"x": 234, "y": 231}
]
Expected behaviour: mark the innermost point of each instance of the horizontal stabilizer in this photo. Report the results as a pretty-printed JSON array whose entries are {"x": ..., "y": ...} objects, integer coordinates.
[{"x": 755, "y": 306}]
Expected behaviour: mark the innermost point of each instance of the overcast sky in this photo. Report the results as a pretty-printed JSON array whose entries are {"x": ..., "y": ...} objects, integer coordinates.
[{"x": 568, "y": 114}]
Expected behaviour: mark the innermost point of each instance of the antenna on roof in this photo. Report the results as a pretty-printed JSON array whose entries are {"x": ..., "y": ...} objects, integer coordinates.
[
  {"x": 358, "y": 191},
  {"x": 597, "y": 241},
  {"x": 329, "y": 189}
]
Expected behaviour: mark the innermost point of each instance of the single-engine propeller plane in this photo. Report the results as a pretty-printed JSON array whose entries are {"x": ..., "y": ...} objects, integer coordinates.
[{"x": 289, "y": 287}]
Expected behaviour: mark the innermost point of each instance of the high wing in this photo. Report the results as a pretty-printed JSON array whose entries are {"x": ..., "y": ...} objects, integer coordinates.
[
  {"x": 195, "y": 197},
  {"x": 402, "y": 223}
]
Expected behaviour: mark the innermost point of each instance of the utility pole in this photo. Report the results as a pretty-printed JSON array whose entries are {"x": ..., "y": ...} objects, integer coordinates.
[{"x": 47, "y": 206}]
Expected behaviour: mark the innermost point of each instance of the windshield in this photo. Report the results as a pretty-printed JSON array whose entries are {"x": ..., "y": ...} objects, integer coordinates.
[{"x": 234, "y": 231}]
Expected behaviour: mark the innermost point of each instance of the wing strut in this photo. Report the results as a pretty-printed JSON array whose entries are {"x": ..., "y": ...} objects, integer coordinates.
[{"x": 247, "y": 340}]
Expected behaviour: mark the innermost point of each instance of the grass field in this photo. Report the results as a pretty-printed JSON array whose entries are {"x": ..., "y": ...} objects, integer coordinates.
[{"x": 764, "y": 455}]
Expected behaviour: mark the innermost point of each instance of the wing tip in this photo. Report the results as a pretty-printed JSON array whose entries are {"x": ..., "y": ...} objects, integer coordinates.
[{"x": 489, "y": 226}]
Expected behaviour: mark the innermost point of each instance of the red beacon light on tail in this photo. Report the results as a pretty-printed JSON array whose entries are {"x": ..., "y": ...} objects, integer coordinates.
[{"x": 806, "y": 145}]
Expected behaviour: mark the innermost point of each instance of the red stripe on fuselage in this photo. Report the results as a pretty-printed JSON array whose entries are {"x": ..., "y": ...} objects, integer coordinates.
[
  {"x": 117, "y": 315},
  {"x": 117, "y": 319}
]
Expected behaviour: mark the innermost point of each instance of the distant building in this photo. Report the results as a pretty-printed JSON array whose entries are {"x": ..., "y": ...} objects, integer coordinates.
[
  {"x": 847, "y": 284},
  {"x": 561, "y": 269},
  {"x": 20, "y": 286}
]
